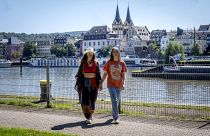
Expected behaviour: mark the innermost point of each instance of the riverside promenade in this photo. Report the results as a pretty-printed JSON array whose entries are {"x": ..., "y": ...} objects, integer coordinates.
[{"x": 73, "y": 123}]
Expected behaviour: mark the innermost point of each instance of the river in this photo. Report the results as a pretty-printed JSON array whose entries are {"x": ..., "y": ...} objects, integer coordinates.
[{"x": 140, "y": 89}]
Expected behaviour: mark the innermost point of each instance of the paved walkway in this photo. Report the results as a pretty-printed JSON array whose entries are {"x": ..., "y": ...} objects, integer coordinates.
[{"x": 74, "y": 123}]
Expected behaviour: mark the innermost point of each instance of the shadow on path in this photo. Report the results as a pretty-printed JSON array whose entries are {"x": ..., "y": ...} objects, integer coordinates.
[
  {"x": 208, "y": 123},
  {"x": 82, "y": 124}
]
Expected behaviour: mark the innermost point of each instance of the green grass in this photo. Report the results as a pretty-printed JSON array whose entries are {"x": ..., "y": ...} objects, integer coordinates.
[
  {"x": 66, "y": 106},
  {"x": 156, "y": 105},
  {"x": 19, "y": 97},
  {"x": 137, "y": 71},
  {"x": 28, "y": 132},
  {"x": 182, "y": 61},
  {"x": 19, "y": 102},
  {"x": 73, "y": 105}
]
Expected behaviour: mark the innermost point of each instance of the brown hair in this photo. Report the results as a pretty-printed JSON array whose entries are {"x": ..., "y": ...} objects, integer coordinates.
[
  {"x": 111, "y": 55},
  {"x": 84, "y": 58}
]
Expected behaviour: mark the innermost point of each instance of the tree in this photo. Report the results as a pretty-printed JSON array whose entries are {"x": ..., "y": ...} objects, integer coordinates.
[
  {"x": 71, "y": 50},
  {"x": 29, "y": 50},
  {"x": 58, "y": 51},
  {"x": 155, "y": 46},
  {"x": 181, "y": 50},
  {"x": 195, "y": 50},
  {"x": 104, "y": 52},
  {"x": 173, "y": 49},
  {"x": 15, "y": 55}
]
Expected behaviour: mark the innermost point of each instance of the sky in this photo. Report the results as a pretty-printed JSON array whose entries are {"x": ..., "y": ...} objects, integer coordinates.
[{"x": 49, "y": 16}]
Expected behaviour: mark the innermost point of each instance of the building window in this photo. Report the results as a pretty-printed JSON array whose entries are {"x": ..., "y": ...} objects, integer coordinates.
[
  {"x": 94, "y": 43},
  {"x": 98, "y": 43},
  {"x": 89, "y": 43}
]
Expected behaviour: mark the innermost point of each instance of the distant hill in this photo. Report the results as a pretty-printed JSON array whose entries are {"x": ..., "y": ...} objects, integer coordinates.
[
  {"x": 46, "y": 36},
  {"x": 73, "y": 33},
  {"x": 76, "y": 33}
]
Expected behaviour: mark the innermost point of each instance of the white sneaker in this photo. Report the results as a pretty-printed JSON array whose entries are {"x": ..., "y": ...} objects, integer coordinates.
[
  {"x": 88, "y": 121},
  {"x": 116, "y": 121},
  {"x": 91, "y": 118}
]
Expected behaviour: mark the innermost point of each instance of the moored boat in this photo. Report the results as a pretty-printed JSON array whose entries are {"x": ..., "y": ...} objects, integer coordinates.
[
  {"x": 5, "y": 63},
  {"x": 134, "y": 60},
  {"x": 54, "y": 62},
  {"x": 175, "y": 68}
]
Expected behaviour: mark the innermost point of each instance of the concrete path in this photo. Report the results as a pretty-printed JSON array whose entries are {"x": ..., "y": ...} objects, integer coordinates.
[{"x": 74, "y": 123}]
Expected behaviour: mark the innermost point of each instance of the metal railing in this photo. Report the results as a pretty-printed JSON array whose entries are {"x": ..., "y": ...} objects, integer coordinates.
[{"x": 150, "y": 91}]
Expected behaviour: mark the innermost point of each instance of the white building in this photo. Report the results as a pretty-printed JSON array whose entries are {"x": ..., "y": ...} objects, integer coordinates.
[
  {"x": 99, "y": 37},
  {"x": 143, "y": 32},
  {"x": 43, "y": 48},
  {"x": 164, "y": 41}
]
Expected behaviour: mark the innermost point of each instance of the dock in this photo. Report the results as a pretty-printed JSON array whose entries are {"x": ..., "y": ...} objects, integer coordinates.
[{"x": 158, "y": 72}]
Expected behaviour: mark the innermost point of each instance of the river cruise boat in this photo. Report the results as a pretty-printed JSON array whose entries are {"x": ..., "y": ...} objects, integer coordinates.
[
  {"x": 134, "y": 60},
  {"x": 54, "y": 62}
]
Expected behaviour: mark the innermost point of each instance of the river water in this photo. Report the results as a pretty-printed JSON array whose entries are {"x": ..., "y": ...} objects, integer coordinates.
[{"x": 140, "y": 89}]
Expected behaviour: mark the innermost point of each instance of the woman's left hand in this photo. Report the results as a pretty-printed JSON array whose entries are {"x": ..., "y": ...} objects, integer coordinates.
[
  {"x": 100, "y": 87},
  {"x": 122, "y": 88}
]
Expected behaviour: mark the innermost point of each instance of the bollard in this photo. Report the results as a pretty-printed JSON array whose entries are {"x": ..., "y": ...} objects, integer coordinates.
[
  {"x": 44, "y": 91},
  {"x": 48, "y": 85}
]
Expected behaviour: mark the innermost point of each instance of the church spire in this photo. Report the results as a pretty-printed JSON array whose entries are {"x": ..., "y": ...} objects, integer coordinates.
[
  {"x": 128, "y": 17},
  {"x": 117, "y": 16}
]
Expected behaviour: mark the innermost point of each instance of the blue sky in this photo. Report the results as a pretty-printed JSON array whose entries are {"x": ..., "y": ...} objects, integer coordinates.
[{"x": 47, "y": 16}]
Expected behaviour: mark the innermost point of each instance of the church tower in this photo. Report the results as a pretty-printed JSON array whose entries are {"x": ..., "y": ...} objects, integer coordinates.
[
  {"x": 117, "y": 25},
  {"x": 128, "y": 22}
]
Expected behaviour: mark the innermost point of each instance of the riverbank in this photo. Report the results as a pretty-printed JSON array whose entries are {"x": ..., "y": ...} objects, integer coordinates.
[
  {"x": 18, "y": 63},
  {"x": 132, "y": 109},
  {"x": 73, "y": 122}
]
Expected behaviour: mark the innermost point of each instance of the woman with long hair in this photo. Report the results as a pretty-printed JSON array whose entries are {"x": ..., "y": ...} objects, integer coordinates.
[
  {"x": 115, "y": 68},
  {"x": 88, "y": 83}
]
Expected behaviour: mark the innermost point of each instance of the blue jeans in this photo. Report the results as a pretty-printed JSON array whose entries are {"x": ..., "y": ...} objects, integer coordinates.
[{"x": 115, "y": 95}]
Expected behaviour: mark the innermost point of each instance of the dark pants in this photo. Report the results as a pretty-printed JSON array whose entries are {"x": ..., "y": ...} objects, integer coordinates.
[{"x": 88, "y": 99}]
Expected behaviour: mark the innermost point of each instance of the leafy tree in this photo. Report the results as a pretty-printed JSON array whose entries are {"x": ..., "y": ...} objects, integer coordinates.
[
  {"x": 71, "y": 50},
  {"x": 181, "y": 51},
  {"x": 173, "y": 49},
  {"x": 104, "y": 52},
  {"x": 195, "y": 50},
  {"x": 58, "y": 51},
  {"x": 176, "y": 48},
  {"x": 29, "y": 50},
  {"x": 155, "y": 50},
  {"x": 15, "y": 55},
  {"x": 155, "y": 46},
  {"x": 53, "y": 49}
]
